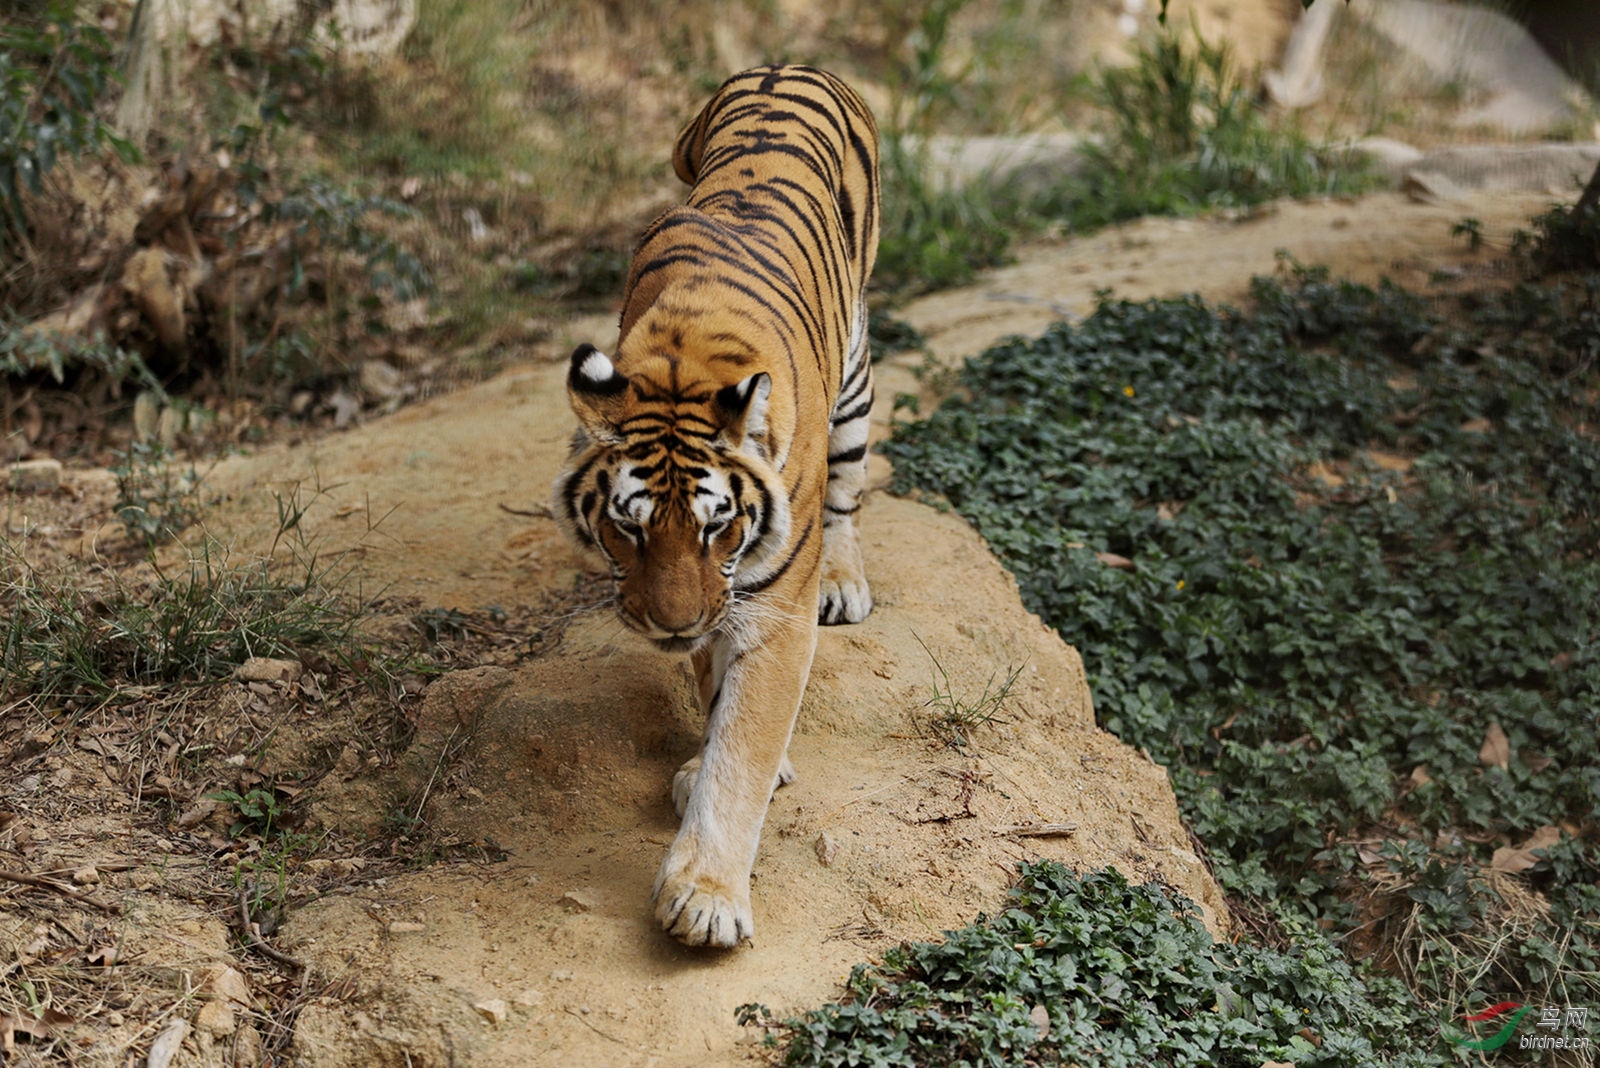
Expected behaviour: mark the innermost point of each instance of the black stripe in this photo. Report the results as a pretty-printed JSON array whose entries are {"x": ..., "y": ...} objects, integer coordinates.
[{"x": 783, "y": 568}]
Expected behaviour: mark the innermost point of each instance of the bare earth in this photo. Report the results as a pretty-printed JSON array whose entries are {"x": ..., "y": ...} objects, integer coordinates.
[
  {"x": 561, "y": 762},
  {"x": 550, "y": 958}
]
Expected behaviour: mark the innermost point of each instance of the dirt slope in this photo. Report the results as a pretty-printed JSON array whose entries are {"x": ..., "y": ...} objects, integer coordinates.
[{"x": 550, "y": 957}]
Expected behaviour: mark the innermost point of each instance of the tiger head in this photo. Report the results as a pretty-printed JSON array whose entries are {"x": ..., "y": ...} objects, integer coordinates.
[{"x": 675, "y": 487}]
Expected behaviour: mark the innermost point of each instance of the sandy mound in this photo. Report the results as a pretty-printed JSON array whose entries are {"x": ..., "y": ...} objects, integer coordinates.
[{"x": 564, "y": 760}]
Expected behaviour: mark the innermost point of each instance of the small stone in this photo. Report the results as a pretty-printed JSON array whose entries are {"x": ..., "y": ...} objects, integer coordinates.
[
  {"x": 492, "y": 1009},
  {"x": 578, "y": 901},
  {"x": 827, "y": 848},
  {"x": 216, "y": 1018},
  {"x": 86, "y": 876},
  {"x": 530, "y": 999},
  {"x": 247, "y": 1048},
  {"x": 222, "y": 983},
  {"x": 380, "y": 379},
  {"x": 266, "y": 669},
  {"x": 35, "y": 476}
]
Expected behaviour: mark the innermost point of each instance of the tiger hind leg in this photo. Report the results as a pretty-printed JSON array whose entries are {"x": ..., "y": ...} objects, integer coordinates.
[{"x": 844, "y": 596}]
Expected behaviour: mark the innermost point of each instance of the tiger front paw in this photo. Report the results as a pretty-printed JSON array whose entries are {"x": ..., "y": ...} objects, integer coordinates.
[
  {"x": 701, "y": 911},
  {"x": 843, "y": 600},
  {"x": 843, "y": 596}
]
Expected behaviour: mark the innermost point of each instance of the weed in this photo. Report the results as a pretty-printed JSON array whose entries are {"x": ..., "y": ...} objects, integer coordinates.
[
  {"x": 887, "y": 335},
  {"x": 52, "y": 71},
  {"x": 1092, "y": 970},
  {"x": 156, "y": 500},
  {"x": 27, "y": 352},
  {"x": 951, "y": 718},
  {"x": 258, "y": 808},
  {"x": 1363, "y": 530},
  {"x": 1471, "y": 229},
  {"x": 1184, "y": 135},
  {"x": 98, "y": 637}
]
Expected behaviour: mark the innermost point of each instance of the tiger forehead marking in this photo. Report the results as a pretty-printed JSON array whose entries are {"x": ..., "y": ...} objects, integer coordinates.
[{"x": 721, "y": 454}]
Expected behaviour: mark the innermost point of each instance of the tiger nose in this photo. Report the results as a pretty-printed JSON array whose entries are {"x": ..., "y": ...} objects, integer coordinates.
[{"x": 686, "y": 622}]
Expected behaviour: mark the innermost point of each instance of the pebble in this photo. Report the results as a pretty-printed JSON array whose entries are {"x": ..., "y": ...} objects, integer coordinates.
[
  {"x": 222, "y": 983},
  {"x": 35, "y": 476},
  {"x": 267, "y": 669},
  {"x": 578, "y": 901},
  {"x": 827, "y": 848},
  {"x": 216, "y": 1018},
  {"x": 492, "y": 1009}
]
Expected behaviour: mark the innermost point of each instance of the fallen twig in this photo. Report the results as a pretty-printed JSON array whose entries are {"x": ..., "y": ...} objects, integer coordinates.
[
  {"x": 251, "y": 933},
  {"x": 65, "y": 891},
  {"x": 1038, "y": 830}
]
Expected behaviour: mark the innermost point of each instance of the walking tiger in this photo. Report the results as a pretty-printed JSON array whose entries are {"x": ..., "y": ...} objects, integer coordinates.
[{"x": 721, "y": 452}]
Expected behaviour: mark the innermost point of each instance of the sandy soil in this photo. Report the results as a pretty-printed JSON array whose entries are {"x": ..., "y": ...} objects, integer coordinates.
[{"x": 549, "y": 958}]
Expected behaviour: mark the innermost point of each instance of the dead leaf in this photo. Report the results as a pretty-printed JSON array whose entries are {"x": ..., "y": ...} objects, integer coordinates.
[
  {"x": 1368, "y": 855},
  {"x": 1322, "y": 471},
  {"x": 1121, "y": 563},
  {"x": 1476, "y": 426},
  {"x": 104, "y": 957},
  {"x": 44, "y": 1026},
  {"x": 1419, "y": 776},
  {"x": 1389, "y": 461},
  {"x": 1521, "y": 858},
  {"x": 1496, "y": 749}
]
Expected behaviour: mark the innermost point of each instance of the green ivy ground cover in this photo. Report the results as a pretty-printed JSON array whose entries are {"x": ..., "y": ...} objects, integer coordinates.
[{"x": 1364, "y": 530}]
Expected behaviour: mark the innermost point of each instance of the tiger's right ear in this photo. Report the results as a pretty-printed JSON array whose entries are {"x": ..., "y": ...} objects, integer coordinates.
[{"x": 596, "y": 390}]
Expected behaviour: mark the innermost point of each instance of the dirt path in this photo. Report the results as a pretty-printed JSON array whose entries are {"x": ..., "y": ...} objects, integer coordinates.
[{"x": 549, "y": 958}]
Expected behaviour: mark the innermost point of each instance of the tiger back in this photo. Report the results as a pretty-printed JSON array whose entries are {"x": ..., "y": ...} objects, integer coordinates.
[{"x": 721, "y": 453}]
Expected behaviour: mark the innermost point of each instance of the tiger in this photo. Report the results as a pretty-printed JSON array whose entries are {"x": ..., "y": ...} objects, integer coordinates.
[{"x": 720, "y": 456}]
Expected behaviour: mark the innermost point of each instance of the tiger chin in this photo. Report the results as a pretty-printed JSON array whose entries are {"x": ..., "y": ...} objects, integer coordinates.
[{"x": 720, "y": 456}]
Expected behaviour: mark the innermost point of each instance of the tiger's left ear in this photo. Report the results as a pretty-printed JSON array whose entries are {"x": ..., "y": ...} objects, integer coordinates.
[
  {"x": 744, "y": 409},
  {"x": 596, "y": 390}
]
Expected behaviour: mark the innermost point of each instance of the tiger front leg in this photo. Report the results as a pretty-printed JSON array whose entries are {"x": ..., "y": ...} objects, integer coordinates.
[
  {"x": 702, "y": 892},
  {"x": 708, "y": 671}
]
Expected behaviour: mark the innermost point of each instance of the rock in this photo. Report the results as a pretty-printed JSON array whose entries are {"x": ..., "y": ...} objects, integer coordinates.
[
  {"x": 579, "y": 901},
  {"x": 222, "y": 983},
  {"x": 266, "y": 669},
  {"x": 456, "y": 699},
  {"x": 380, "y": 379},
  {"x": 247, "y": 1048},
  {"x": 216, "y": 1018},
  {"x": 827, "y": 848},
  {"x": 34, "y": 476},
  {"x": 492, "y": 1009},
  {"x": 86, "y": 876}
]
